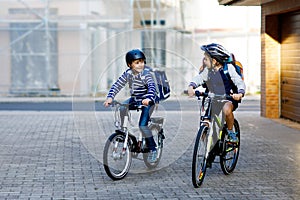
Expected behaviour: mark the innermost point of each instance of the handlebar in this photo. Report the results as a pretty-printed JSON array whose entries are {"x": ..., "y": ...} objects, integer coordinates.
[
  {"x": 139, "y": 104},
  {"x": 212, "y": 95}
]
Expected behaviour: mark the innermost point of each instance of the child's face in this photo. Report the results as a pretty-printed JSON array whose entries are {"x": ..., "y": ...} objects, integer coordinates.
[
  {"x": 208, "y": 61},
  {"x": 138, "y": 65}
]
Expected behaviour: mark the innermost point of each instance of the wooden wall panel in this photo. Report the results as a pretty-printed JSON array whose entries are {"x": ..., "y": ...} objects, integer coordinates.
[{"x": 290, "y": 65}]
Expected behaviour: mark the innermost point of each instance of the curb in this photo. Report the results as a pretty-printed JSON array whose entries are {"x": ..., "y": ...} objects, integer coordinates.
[{"x": 89, "y": 99}]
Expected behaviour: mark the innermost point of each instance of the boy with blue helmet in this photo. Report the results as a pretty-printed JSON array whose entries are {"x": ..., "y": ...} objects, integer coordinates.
[{"x": 143, "y": 91}]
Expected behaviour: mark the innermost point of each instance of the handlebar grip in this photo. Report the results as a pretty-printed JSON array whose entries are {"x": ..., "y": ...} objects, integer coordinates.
[
  {"x": 199, "y": 94},
  {"x": 114, "y": 103},
  {"x": 151, "y": 103}
]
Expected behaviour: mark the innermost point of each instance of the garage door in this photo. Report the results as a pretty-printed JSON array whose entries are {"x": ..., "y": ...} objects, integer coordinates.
[{"x": 290, "y": 66}]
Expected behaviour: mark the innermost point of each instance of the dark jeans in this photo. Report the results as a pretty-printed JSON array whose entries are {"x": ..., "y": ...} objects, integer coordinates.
[{"x": 143, "y": 122}]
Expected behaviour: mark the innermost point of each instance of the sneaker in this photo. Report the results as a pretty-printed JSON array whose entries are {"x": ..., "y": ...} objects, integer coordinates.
[
  {"x": 152, "y": 156},
  {"x": 232, "y": 137}
]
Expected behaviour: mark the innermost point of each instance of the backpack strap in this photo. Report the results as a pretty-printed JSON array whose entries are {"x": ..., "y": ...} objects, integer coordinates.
[
  {"x": 150, "y": 70},
  {"x": 129, "y": 78},
  {"x": 226, "y": 72}
]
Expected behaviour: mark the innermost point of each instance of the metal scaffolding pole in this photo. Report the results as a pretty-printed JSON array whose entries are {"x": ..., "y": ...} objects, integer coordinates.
[{"x": 50, "y": 82}]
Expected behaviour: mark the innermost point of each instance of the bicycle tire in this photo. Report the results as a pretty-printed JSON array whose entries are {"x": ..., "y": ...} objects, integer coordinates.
[
  {"x": 230, "y": 155},
  {"x": 158, "y": 137},
  {"x": 116, "y": 163},
  {"x": 199, "y": 159}
]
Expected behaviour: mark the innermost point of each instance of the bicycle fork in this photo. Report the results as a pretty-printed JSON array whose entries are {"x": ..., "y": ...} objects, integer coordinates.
[
  {"x": 209, "y": 144},
  {"x": 126, "y": 135},
  {"x": 209, "y": 139},
  {"x": 124, "y": 148}
]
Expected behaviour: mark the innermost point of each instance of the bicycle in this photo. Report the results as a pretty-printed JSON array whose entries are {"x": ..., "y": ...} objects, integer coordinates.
[
  {"x": 122, "y": 146},
  {"x": 212, "y": 139}
]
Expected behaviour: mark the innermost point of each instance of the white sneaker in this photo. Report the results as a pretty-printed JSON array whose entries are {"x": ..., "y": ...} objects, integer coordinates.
[{"x": 152, "y": 156}]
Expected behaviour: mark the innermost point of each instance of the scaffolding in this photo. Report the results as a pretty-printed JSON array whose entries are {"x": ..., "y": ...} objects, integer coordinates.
[
  {"x": 37, "y": 33},
  {"x": 77, "y": 47},
  {"x": 46, "y": 43}
]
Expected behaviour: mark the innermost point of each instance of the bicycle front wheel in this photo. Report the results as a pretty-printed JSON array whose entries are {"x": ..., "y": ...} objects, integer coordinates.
[
  {"x": 199, "y": 157},
  {"x": 229, "y": 158},
  {"x": 116, "y": 158}
]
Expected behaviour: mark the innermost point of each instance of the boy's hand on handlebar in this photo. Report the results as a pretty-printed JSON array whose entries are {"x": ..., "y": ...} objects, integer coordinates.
[
  {"x": 191, "y": 91},
  {"x": 146, "y": 102},
  {"x": 237, "y": 97},
  {"x": 107, "y": 102}
]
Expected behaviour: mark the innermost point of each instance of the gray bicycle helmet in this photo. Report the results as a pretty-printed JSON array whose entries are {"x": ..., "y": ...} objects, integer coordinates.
[
  {"x": 134, "y": 54},
  {"x": 217, "y": 52}
]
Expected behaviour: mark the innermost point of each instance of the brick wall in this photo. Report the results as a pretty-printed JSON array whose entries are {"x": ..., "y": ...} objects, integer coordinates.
[{"x": 270, "y": 67}]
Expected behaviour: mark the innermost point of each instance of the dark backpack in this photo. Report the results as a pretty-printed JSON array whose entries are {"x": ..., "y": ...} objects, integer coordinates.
[{"x": 161, "y": 83}]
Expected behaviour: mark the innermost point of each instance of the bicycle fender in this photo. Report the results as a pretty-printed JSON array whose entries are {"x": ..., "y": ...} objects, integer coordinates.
[
  {"x": 131, "y": 137},
  {"x": 119, "y": 132}
]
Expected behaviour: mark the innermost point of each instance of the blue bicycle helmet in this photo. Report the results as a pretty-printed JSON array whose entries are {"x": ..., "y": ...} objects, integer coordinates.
[
  {"x": 134, "y": 54},
  {"x": 217, "y": 52}
]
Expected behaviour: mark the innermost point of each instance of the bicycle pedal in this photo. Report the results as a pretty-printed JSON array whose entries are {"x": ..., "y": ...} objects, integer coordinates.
[
  {"x": 137, "y": 151},
  {"x": 209, "y": 165},
  {"x": 139, "y": 158},
  {"x": 162, "y": 136},
  {"x": 135, "y": 155},
  {"x": 146, "y": 150},
  {"x": 233, "y": 144}
]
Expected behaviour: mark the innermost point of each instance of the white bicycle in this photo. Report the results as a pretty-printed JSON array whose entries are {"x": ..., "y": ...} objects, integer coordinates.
[{"x": 122, "y": 146}]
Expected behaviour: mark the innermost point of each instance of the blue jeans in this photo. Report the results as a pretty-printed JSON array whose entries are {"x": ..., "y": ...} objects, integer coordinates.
[{"x": 143, "y": 122}]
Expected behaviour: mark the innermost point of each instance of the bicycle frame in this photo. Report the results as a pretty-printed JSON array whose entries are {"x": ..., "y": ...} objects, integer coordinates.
[
  {"x": 213, "y": 118},
  {"x": 124, "y": 128}
]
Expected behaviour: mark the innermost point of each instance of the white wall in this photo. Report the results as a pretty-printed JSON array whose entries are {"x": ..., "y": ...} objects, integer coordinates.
[{"x": 237, "y": 28}]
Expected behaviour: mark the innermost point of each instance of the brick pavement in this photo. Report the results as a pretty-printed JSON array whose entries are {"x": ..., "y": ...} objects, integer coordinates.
[{"x": 55, "y": 155}]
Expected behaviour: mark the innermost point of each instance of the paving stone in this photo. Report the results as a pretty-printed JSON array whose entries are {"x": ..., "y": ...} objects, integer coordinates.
[{"x": 57, "y": 155}]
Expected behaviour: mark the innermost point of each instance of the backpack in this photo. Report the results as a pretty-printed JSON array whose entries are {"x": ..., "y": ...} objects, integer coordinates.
[
  {"x": 237, "y": 65},
  {"x": 161, "y": 83}
]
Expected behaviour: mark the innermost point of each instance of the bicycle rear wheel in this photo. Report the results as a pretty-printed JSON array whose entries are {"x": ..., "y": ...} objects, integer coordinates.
[
  {"x": 229, "y": 158},
  {"x": 199, "y": 157},
  {"x": 116, "y": 159},
  {"x": 158, "y": 137}
]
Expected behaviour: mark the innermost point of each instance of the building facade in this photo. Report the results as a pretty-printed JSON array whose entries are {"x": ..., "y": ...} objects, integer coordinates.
[
  {"x": 280, "y": 63},
  {"x": 77, "y": 47}
]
